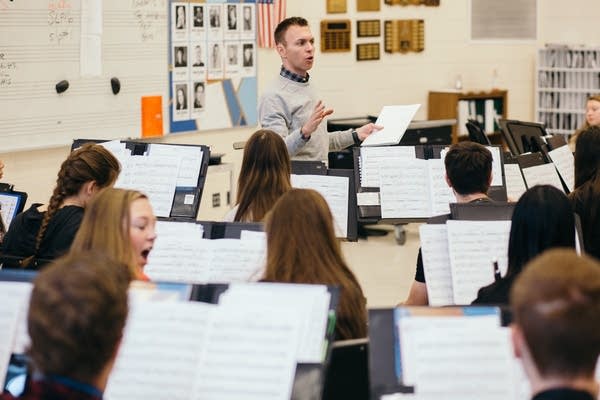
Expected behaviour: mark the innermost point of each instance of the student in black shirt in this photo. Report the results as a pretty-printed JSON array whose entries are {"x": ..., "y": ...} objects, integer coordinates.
[
  {"x": 542, "y": 219},
  {"x": 37, "y": 234},
  {"x": 469, "y": 174}
]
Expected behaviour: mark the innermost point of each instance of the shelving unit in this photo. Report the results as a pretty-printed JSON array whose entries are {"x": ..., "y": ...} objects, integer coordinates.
[
  {"x": 566, "y": 77},
  {"x": 484, "y": 106}
]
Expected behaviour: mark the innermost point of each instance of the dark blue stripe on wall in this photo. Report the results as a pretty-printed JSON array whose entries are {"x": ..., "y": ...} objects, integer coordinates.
[{"x": 235, "y": 111}]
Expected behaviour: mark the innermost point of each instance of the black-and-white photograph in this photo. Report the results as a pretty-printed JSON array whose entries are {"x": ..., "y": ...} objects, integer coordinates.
[
  {"x": 232, "y": 17},
  {"x": 247, "y": 18},
  {"x": 180, "y": 56},
  {"x": 198, "y": 95},
  {"x": 215, "y": 56},
  {"x": 214, "y": 15},
  {"x": 232, "y": 54},
  {"x": 181, "y": 97},
  {"x": 198, "y": 16},
  {"x": 248, "y": 55},
  {"x": 180, "y": 17},
  {"x": 198, "y": 60}
]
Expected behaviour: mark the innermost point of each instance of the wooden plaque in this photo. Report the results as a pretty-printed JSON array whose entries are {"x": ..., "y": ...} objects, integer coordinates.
[
  {"x": 336, "y": 6},
  {"x": 335, "y": 35},
  {"x": 430, "y": 3},
  {"x": 368, "y": 28},
  {"x": 368, "y": 5},
  {"x": 367, "y": 51},
  {"x": 404, "y": 35}
]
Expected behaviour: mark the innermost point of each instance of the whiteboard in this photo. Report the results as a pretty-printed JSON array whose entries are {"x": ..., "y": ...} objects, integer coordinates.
[{"x": 41, "y": 44}]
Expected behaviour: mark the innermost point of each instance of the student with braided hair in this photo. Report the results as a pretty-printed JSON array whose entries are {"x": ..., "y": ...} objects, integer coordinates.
[{"x": 46, "y": 234}]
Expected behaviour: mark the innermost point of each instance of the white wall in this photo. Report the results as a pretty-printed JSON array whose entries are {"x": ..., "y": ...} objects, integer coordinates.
[{"x": 358, "y": 88}]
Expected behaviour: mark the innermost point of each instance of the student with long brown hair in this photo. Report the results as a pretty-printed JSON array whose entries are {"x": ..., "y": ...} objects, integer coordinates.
[
  {"x": 586, "y": 196},
  {"x": 264, "y": 176},
  {"x": 592, "y": 118},
  {"x": 37, "y": 234},
  {"x": 120, "y": 223},
  {"x": 302, "y": 248}
]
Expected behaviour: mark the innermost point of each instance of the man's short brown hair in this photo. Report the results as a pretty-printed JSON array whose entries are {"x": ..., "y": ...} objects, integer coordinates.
[
  {"x": 469, "y": 167},
  {"x": 76, "y": 315},
  {"x": 284, "y": 25},
  {"x": 556, "y": 304}
]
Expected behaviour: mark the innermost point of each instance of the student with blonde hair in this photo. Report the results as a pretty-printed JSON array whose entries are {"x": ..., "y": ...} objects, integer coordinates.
[
  {"x": 76, "y": 317},
  {"x": 37, "y": 234},
  {"x": 264, "y": 176},
  {"x": 302, "y": 248},
  {"x": 120, "y": 223},
  {"x": 592, "y": 118}
]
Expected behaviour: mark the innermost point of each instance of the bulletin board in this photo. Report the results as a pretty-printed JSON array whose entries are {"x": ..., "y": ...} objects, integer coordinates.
[
  {"x": 212, "y": 65},
  {"x": 87, "y": 43}
]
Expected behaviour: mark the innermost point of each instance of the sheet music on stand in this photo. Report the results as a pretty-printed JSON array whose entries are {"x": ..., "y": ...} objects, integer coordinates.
[
  {"x": 171, "y": 175},
  {"x": 11, "y": 204},
  {"x": 248, "y": 344},
  {"x": 563, "y": 160},
  {"x": 537, "y": 172},
  {"x": 515, "y": 183},
  {"x": 458, "y": 254},
  {"x": 411, "y": 182},
  {"x": 186, "y": 252},
  {"x": 337, "y": 187},
  {"x": 412, "y": 350}
]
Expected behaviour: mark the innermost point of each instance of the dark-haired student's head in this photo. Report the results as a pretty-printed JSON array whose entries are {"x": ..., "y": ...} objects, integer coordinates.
[
  {"x": 77, "y": 312},
  {"x": 556, "y": 309},
  {"x": 264, "y": 176},
  {"x": 284, "y": 25},
  {"x": 587, "y": 156},
  {"x": 87, "y": 170},
  {"x": 468, "y": 168},
  {"x": 542, "y": 219},
  {"x": 302, "y": 248}
]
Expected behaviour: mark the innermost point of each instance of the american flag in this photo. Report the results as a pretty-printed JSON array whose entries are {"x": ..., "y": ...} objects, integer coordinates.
[{"x": 270, "y": 13}]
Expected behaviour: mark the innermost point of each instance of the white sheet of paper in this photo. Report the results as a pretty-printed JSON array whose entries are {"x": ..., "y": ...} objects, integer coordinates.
[
  {"x": 404, "y": 189},
  {"x": 191, "y": 161},
  {"x": 371, "y": 157},
  {"x": 250, "y": 354},
  {"x": 14, "y": 299},
  {"x": 155, "y": 176},
  {"x": 367, "y": 198},
  {"x": 544, "y": 174},
  {"x": 181, "y": 255},
  {"x": 436, "y": 263},
  {"x": 496, "y": 165},
  {"x": 441, "y": 193},
  {"x": 308, "y": 303},
  {"x": 335, "y": 191},
  {"x": 473, "y": 246},
  {"x": 160, "y": 356},
  {"x": 9, "y": 205},
  {"x": 515, "y": 185},
  {"x": 395, "y": 120},
  {"x": 454, "y": 354},
  {"x": 564, "y": 161}
]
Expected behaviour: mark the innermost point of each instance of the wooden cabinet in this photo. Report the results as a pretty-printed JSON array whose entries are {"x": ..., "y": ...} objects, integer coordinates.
[{"x": 485, "y": 107}]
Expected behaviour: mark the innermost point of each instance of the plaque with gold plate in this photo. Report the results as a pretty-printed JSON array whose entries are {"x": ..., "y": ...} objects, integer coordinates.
[
  {"x": 404, "y": 35},
  {"x": 367, "y": 51},
  {"x": 368, "y": 28},
  {"x": 336, "y": 6},
  {"x": 335, "y": 35}
]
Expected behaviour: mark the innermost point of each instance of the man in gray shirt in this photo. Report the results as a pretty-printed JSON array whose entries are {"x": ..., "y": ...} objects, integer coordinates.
[{"x": 291, "y": 108}]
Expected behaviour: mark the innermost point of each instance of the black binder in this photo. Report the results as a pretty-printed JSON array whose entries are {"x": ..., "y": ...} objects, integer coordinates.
[
  {"x": 229, "y": 230},
  {"x": 318, "y": 168},
  {"x": 182, "y": 207},
  {"x": 11, "y": 204}
]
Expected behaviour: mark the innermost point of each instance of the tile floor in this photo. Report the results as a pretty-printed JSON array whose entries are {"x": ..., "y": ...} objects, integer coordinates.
[{"x": 384, "y": 269}]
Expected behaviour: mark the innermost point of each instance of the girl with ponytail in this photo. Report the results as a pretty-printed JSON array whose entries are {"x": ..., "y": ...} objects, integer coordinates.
[{"x": 36, "y": 234}]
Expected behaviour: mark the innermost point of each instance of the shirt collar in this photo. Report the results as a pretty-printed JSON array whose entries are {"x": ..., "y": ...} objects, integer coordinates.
[
  {"x": 293, "y": 76},
  {"x": 75, "y": 385}
]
